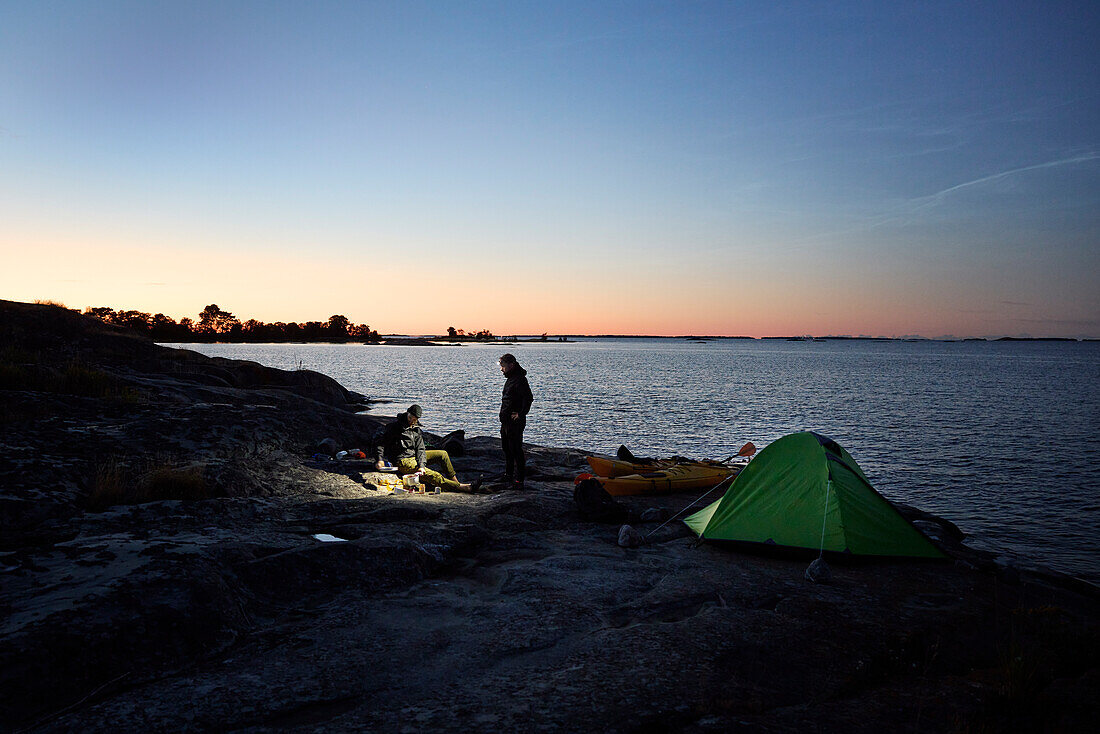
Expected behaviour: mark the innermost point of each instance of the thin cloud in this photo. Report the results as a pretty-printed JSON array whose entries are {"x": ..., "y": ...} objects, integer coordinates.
[
  {"x": 1062, "y": 322},
  {"x": 925, "y": 201},
  {"x": 906, "y": 212},
  {"x": 960, "y": 143},
  {"x": 1037, "y": 111}
]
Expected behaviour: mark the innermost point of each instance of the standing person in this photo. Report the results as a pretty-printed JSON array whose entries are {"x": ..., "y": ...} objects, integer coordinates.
[
  {"x": 401, "y": 443},
  {"x": 515, "y": 402}
]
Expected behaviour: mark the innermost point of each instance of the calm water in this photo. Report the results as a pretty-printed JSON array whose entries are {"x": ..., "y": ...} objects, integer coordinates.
[{"x": 1002, "y": 438}]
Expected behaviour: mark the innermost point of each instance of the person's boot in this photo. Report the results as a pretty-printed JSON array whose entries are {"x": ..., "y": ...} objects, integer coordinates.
[{"x": 474, "y": 487}]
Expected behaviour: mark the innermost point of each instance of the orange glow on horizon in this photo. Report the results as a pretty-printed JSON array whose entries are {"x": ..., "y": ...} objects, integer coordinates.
[{"x": 558, "y": 300}]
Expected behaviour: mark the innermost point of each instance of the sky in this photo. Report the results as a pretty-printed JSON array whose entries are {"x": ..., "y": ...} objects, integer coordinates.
[{"x": 736, "y": 168}]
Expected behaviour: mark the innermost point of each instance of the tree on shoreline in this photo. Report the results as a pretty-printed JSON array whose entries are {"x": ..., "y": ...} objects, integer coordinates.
[
  {"x": 213, "y": 320},
  {"x": 338, "y": 326},
  {"x": 217, "y": 325},
  {"x": 462, "y": 334}
]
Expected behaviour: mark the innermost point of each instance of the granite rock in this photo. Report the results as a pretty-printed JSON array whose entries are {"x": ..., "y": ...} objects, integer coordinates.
[{"x": 249, "y": 590}]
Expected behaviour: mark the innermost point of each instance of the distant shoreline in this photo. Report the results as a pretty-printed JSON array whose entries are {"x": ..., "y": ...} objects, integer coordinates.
[
  {"x": 443, "y": 341},
  {"x": 557, "y": 338}
]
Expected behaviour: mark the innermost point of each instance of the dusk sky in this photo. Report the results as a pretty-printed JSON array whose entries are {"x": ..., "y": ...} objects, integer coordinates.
[{"x": 756, "y": 168}]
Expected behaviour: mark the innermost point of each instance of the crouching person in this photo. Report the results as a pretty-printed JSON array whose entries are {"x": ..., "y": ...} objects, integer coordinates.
[{"x": 402, "y": 444}]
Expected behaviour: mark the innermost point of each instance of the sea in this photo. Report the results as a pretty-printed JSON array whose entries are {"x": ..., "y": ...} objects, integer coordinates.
[{"x": 1001, "y": 438}]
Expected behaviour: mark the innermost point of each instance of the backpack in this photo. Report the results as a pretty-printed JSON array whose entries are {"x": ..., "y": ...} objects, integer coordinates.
[{"x": 594, "y": 504}]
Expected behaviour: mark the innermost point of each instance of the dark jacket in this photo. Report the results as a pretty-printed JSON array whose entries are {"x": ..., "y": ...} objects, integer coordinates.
[
  {"x": 517, "y": 397},
  {"x": 398, "y": 440}
]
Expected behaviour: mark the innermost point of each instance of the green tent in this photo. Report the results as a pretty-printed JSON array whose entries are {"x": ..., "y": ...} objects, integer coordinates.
[{"x": 806, "y": 491}]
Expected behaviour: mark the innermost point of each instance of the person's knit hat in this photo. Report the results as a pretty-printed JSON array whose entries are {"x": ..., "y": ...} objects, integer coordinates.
[{"x": 415, "y": 410}]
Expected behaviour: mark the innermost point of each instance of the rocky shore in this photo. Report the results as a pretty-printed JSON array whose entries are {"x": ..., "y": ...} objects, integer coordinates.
[{"x": 170, "y": 561}]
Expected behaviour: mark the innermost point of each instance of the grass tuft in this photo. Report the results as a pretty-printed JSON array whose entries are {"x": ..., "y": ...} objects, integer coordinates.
[
  {"x": 173, "y": 483},
  {"x": 114, "y": 484},
  {"x": 22, "y": 370},
  {"x": 1042, "y": 645},
  {"x": 76, "y": 379},
  {"x": 109, "y": 485}
]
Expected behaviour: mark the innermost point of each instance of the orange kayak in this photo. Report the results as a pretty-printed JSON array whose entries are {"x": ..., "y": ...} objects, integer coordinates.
[
  {"x": 675, "y": 478},
  {"x": 605, "y": 466}
]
